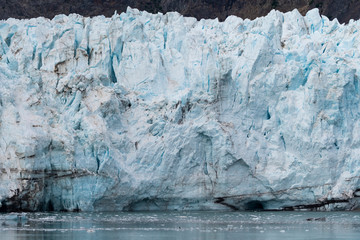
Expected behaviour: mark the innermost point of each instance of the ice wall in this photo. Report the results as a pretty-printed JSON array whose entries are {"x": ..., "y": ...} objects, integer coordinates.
[{"x": 143, "y": 111}]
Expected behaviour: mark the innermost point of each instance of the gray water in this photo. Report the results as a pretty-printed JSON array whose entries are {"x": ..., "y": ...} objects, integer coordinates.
[{"x": 181, "y": 225}]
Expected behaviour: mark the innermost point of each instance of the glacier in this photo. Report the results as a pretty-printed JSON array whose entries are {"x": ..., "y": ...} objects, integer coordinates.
[{"x": 148, "y": 111}]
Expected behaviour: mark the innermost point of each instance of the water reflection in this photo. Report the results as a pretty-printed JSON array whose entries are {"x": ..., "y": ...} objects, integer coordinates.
[{"x": 181, "y": 225}]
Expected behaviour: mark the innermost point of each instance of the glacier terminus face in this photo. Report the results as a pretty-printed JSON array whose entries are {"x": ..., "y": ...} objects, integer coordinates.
[{"x": 163, "y": 112}]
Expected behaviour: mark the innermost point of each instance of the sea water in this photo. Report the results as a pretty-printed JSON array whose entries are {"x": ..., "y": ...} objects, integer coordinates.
[{"x": 181, "y": 225}]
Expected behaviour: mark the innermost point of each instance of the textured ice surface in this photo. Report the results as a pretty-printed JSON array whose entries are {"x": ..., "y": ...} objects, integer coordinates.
[{"x": 143, "y": 111}]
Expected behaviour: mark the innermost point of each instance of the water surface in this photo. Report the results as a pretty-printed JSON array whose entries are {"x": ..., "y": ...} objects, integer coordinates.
[{"x": 181, "y": 225}]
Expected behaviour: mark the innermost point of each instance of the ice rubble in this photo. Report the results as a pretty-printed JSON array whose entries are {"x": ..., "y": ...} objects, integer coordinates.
[{"x": 150, "y": 111}]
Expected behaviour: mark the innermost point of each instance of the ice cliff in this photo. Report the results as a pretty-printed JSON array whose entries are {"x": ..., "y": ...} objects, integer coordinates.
[{"x": 150, "y": 111}]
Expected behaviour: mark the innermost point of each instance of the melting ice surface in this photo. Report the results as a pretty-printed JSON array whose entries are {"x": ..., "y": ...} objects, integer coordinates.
[
  {"x": 182, "y": 225},
  {"x": 157, "y": 112}
]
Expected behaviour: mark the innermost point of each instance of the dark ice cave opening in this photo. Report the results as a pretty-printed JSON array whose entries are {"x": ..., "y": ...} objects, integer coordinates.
[{"x": 254, "y": 206}]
